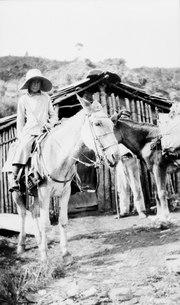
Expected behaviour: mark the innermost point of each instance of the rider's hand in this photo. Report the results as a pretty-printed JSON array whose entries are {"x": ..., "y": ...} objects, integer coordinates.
[{"x": 47, "y": 126}]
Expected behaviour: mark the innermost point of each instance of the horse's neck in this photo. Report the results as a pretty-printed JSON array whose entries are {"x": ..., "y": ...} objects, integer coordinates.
[
  {"x": 130, "y": 140},
  {"x": 135, "y": 136},
  {"x": 63, "y": 143},
  {"x": 68, "y": 135}
]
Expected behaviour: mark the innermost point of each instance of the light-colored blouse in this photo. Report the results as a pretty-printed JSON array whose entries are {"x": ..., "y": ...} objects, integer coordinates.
[{"x": 33, "y": 112}]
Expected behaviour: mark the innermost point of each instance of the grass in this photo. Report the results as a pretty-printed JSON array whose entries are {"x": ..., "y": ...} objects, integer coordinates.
[
  {"x": 16, "y": 284},
  {"x": 164, "y": 283}
]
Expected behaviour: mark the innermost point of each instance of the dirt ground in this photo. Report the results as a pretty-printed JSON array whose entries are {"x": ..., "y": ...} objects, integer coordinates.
[{"x": 115, "y": 261}]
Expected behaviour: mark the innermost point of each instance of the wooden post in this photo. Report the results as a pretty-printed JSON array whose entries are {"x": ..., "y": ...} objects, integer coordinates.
[
  {"x": 138, "y": 111},
  {"x": 5, "y": 189},
  {"x": 104, "y": 196},
  {"x": 133, "y": 113},
  {"x": 111, "y": 111},
  {"x": 150, "y": 114},
  {"x": 1, "y": 185},
  {"x": 156, "y": 117},
  {"x": 122, "y": 102},
  {"x": 102, "y": 98},
  {"x": 112, "y": 176},
  {"x": 108, "y": 102},
  {"x": 127, "y": 103},
  {"x": 142, "y": 112},
  {"x": 96, "y": 96},
  {"x": 118, "y": 105},
  {"x": 113, "y": 102},
  {"x": 3, "y": 157},
  {"x": 146, "y": 112}
]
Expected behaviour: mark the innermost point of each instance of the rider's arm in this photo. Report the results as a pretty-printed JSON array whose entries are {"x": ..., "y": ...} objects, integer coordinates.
[
  {"x": 53, "y": 117},
  {"x": 20, "y": 116}
]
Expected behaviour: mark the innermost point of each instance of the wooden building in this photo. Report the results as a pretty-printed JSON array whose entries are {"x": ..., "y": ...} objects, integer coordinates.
[{"x": 113, "y": 95}]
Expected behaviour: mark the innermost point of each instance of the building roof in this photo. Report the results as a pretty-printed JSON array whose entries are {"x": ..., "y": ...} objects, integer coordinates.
[
  {"x": 66, "y": 96},
  {"x": 7, "y": 121}
]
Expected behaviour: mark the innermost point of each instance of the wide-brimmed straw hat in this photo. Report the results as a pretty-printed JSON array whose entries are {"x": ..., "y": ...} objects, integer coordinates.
[{"x": 46, "y": 85}]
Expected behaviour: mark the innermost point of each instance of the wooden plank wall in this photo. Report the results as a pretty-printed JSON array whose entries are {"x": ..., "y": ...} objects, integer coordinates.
[{"x": 7, "y": 137}]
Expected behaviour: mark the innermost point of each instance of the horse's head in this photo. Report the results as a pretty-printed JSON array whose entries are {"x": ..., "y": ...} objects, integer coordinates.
[
  {"x": 97, "y": 132},
  {"x": 134, "y": 135}
]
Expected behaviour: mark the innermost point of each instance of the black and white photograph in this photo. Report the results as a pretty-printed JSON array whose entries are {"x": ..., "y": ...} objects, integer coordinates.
[{"x": 89, "y": 152}]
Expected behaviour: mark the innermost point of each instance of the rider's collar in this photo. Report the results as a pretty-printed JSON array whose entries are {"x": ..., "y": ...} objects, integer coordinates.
[{"x": 33, "y": 94}]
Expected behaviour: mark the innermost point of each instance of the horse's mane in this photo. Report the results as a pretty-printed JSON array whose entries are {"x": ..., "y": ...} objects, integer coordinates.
[
  {"x": 138, "y": 124},
  {"x": 144, "y": 127},
  {"x": 66, "y": 122}
]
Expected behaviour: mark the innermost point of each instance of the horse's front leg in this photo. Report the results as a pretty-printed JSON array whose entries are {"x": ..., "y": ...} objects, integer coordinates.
[
  {"x": 63, "y": 221},
  {"x": 44, "y": 200},
  {"x": 35, "y": 214},
  {"x": 162, "y": 203},
  {"x": 17, "y": 198}
]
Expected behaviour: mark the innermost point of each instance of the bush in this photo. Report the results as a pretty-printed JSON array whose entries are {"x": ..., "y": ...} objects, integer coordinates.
[{"x": 8, "y": 108}]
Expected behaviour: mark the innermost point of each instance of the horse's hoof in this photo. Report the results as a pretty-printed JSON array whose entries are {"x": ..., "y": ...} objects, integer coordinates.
[
  {"x": 44, "y": 257},
  {"x": 20, "y": 250},
  {"x": 142, "y": 215},
  {"x": 68, "y": 259}
]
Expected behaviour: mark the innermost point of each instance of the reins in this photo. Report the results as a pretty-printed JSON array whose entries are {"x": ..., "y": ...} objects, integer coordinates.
[{"x": 91, "y": 164}]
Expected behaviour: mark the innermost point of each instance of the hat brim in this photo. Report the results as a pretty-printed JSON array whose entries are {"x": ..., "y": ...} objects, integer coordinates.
[{"x": 46, "y": 85}]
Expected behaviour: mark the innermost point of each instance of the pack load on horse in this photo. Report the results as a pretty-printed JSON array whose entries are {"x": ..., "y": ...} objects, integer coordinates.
[
  {"x": 59, "y": 152},
  {"x": 143, "y": 139},
  {"x": 170, "y": 130}
]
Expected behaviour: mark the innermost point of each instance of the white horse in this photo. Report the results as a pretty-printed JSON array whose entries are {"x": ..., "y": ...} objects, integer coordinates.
[{"x": 59, "y": 153}]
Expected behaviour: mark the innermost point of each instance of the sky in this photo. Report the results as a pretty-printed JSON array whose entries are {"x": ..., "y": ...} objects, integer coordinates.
[{"x": 143, "y": 32}]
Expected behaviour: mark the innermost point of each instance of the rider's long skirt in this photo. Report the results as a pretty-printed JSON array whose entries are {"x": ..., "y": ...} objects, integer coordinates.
[{"x": 23, "y": 150}]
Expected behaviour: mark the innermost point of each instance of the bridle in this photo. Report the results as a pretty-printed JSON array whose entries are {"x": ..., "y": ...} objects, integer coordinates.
[{"x": 97, "y": 138}]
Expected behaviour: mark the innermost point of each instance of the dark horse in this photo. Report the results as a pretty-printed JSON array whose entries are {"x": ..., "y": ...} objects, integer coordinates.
[{"x": 142, "y": 140}]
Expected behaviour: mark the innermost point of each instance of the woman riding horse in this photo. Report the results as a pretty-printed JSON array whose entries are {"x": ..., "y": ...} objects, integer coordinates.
[
  {"x": 35, "y": 114},
  {"x": 59, "y": 152}
]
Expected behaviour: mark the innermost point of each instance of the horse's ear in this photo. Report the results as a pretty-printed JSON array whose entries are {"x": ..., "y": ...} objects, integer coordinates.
[
  {"x": 88, "y": 106},
  {"x": 84, "y": 103},
  {"x": 96, "y": 106},
  {"x": 114, "y": 118}
]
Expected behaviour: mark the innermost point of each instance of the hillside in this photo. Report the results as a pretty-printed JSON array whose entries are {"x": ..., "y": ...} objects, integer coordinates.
[{"x": 160, "y": 81}]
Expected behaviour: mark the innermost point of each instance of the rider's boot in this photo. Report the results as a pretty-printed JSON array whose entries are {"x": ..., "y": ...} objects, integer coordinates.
[{"x": 14, "y": 185}]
